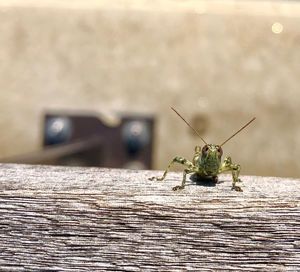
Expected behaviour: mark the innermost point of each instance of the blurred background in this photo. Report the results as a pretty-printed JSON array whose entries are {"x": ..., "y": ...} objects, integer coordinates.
[{"x": 87, "y": 82}]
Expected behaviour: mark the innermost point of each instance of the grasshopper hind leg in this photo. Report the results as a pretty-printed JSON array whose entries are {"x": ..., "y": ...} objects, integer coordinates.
[
  {"x": 235, "y": 171},
  {"x": 180, "y": 160},
  {"x": 180, "y": 187},
  {"x": 236, "y": 168}
]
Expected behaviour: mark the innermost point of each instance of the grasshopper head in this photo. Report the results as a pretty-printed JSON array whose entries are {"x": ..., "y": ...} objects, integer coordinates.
[
  {"x": 211, "y": 158},
  {"x": 212, "y": 151}
]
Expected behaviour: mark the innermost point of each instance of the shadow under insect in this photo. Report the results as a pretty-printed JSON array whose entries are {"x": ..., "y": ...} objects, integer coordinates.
[{"x": 204, "y": 181}]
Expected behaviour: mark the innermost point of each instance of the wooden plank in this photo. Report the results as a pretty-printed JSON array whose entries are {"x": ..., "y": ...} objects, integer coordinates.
[{"x": 93, "y": 219}]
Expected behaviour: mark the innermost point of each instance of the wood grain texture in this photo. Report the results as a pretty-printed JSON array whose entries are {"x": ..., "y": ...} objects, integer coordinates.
[{"x": 93, "y": 219}]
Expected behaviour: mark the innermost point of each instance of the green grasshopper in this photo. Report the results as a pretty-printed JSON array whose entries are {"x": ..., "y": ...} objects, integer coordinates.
[{"x": 207, "y": 162}]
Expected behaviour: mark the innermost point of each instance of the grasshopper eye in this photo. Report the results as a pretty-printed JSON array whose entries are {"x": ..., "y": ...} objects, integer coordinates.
[
  {"x": 205, "y": 149},
  {"x": 220, "y": 150}
]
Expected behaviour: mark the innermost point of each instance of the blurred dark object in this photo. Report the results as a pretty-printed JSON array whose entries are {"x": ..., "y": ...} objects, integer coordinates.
[{"x": 86, "y": 140}]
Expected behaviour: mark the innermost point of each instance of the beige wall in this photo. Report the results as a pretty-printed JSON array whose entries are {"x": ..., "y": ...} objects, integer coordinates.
[{"x": 215, "y": 60}]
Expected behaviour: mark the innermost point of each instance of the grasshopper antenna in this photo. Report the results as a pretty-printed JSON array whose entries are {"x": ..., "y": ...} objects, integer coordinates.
[
  {"x": 238, "y": 131},
  {"x": 189, "y": 125}
]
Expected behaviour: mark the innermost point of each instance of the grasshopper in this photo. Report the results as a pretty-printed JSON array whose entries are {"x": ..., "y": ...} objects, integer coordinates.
[{"x": 207, "y": 162}]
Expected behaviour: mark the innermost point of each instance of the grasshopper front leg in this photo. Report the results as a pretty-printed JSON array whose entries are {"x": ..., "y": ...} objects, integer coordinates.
[
  {"x": 180, "y": 160},
  {"x": 227, "y": 165}
]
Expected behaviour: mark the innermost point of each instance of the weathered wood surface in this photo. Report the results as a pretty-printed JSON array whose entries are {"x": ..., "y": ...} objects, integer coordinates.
[{"x": 93, "y": 219}]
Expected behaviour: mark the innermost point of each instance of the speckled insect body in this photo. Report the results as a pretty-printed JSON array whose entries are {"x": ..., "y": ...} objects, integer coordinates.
[{"x": 207, "y": 162}]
